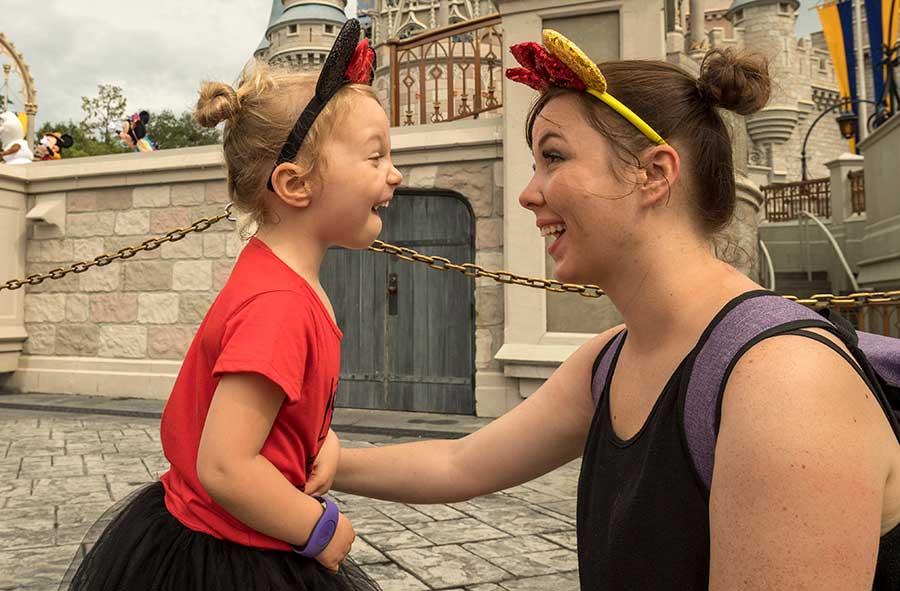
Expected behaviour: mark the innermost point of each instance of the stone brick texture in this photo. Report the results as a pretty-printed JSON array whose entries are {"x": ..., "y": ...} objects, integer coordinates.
[
  {"x": 149, "y": 306},
  {"x": 146, "y": 307}
]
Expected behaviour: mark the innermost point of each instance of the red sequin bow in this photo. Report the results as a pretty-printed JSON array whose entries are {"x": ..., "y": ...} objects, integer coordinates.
[
  {"x": 359, "y": 70},
  {"x": 541, "y": 69}
]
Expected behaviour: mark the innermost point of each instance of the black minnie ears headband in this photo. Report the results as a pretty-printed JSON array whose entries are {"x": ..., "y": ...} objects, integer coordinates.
[{"x": 350, "y": 61}]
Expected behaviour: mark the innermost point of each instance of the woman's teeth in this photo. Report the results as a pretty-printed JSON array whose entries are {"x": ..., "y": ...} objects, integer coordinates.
[
  {"x": 555, "y": 230},
  {"x": 381, "y": 206}
]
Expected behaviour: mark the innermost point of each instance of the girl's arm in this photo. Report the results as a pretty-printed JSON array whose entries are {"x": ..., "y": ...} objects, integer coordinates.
[
  {"x": 802, "y": 458},
  {"x": 543, "y": 432},
  {"x": 245, "y": 483}
]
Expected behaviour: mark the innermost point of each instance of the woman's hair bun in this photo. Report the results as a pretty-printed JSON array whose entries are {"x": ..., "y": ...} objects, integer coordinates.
[
  {"x": 218, "y": 102},
  {"x": 735, "y": 81}
]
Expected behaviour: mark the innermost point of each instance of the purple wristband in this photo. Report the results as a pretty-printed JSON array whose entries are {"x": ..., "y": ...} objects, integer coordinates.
[{"x": 322, "y": 532}]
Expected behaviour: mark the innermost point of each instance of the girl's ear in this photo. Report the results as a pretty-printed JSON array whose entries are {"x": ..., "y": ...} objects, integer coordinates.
[
  {"x": 292, "y": 186},
  {"x": 662, "y": 169}
]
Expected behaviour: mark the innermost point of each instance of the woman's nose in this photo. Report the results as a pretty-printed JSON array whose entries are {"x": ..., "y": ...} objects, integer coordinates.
[{"x": 531, "y": 196}]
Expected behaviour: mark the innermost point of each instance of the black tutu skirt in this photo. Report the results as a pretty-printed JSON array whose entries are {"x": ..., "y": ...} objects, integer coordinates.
[{"x": 142, "y": 547}]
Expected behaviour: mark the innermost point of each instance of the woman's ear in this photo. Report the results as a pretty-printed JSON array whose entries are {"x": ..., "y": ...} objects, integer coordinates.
[
  {"x": 292, "y": 186},
  {"x": 662, "y": 169}
]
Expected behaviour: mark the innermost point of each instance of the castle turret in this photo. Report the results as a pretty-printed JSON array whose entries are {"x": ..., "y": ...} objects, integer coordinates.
[
  {"x": 301, "y": 33},
  {"x": 768, "y": 27}
]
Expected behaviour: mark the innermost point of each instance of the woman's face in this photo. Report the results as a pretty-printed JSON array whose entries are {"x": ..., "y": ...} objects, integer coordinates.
[{"x": 577, "y": 198}]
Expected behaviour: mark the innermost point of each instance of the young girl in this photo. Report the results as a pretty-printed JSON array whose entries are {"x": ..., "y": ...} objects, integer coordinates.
[
  {"x": 252, "y": 405},
  {"x": 633, "y": 180}
]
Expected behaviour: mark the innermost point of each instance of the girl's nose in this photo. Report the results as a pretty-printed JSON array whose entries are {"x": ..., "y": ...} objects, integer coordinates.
[{"x": 395, "y": 177}]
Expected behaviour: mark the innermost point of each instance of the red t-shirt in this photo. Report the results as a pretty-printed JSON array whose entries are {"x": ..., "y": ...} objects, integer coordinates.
[{"x": 267, "y": 320}]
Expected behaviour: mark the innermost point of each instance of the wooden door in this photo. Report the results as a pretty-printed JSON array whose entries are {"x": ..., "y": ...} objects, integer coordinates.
[{"x": 409, "y": 330}]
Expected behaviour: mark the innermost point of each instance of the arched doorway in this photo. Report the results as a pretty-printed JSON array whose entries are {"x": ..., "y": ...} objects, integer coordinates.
[{"x": 408, "y": 329}]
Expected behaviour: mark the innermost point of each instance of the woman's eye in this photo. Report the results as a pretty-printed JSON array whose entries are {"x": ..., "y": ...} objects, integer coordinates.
[{"x": 552, "y": 156}]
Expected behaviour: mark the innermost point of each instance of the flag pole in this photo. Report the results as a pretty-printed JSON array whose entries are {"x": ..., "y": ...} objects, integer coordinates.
[{"x": 863, "y": 110}]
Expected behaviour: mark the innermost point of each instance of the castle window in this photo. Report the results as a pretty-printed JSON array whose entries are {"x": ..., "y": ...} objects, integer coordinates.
[
  {"x": 738, "y": 16},
  {"x": 292, "y": 30},
  {"x": 784, "y": 8},
  {"x": 329, "y": 29},
  {"x": 409, "y": 30}
]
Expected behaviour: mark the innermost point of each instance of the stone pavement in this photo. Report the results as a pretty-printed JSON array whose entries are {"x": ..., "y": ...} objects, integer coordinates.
[{"x": 60, "y": 470}]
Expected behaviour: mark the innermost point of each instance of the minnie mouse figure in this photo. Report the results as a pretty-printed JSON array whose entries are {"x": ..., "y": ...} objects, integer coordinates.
[
  {"x": 52, "y": 145},
  {"x": 134, "y": 132}
]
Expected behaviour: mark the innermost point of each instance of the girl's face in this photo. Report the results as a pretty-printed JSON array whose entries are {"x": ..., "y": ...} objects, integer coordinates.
[
  {"x": 576, "y": 196},
  {"x": 358, "y": 178}
]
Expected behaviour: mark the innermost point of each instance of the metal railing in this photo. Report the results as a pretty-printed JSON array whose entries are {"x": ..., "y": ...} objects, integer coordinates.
[
  {"x": 876, "y": 317},
  {"x": 451, "y": 73},
  {"x": 784, "y": 202},
  {"x": 804, "y": 217},
  {"x": 857, "y": 191}
]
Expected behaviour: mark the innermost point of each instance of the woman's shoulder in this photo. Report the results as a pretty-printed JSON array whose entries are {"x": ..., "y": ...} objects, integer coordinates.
[{"x": 797, "y": 384}]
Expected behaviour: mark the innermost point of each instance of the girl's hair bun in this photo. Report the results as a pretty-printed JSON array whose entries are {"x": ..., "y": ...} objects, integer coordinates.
[
  {"x": 218, "y": 102},
  {"x": 735, "y": 81}
]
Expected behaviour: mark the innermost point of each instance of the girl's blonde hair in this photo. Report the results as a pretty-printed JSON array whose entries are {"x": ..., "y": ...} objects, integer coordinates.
[{"x": 258, "y": 117}]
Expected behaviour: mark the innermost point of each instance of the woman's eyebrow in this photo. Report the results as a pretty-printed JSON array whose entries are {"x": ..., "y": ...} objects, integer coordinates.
[{"x": 548, "y": 136}]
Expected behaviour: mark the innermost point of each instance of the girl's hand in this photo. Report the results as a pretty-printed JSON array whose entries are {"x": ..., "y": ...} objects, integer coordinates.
[
  {"x": 325, "y": 466},
  {"x": 339, "y": 546}
]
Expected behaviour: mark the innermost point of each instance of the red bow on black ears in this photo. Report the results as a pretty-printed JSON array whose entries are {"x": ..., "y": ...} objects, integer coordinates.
[{"x": 360, "y": 70}]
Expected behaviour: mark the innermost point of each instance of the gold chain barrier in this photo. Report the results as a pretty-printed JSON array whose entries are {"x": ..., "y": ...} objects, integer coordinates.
[
  {"x": 407, "y": 254},
  {"x": 123, "y": 253},
  {"x": 435, "y": 262}
]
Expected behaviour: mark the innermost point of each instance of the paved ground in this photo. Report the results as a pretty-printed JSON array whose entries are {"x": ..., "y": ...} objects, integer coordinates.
[{"x": 60, "y": 470}]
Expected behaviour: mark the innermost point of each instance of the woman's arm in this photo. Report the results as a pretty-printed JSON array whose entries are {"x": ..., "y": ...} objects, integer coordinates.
[
  {"x": 245, "y": 483},
  {"x": 543, "y": 432},
  {"x": 801, "y": 463}
]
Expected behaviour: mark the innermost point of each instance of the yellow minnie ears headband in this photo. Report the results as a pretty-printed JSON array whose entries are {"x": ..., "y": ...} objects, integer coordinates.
[{"x": 561, "y": 63}]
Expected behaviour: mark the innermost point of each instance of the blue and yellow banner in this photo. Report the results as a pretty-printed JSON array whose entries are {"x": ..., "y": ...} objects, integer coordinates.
[
  {"x": 837, "y": 25},
  {"x": 883, "y": 17}
]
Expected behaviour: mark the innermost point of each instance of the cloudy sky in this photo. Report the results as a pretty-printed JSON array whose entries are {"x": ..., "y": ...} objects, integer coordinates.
[{"x": 157, "y": 51}]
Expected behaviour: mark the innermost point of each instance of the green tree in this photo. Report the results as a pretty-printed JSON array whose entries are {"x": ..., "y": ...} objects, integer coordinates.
[
  {"x": 168, "y": 130},
  {"x": 100, "y": 111},
  {"x": 84, "y": 145}
]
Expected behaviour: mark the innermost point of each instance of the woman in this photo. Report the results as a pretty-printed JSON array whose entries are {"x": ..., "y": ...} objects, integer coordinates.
[{"x": 634, "y": 191}]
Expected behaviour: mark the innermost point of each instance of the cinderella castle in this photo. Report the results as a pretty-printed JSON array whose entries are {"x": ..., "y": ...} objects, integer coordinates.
[{"x": 300, "y": 33}]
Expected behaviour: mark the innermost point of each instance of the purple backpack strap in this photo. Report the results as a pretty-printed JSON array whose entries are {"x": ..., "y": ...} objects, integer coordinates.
[
  {"x": 603, "y": 365},
  {"x": 740, "y": 326},
  {"x": 883, "y": 354}
]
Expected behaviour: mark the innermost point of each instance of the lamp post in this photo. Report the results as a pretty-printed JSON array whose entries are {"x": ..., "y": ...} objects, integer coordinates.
[{"x": 847, "y": 122}]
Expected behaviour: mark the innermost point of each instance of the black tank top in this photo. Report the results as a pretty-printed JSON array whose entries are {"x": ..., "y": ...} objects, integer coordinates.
[{"x": 643, "y": 514}]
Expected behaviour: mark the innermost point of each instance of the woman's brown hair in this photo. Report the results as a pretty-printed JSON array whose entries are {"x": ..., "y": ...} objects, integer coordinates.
[{"x": 684, "y": 110}]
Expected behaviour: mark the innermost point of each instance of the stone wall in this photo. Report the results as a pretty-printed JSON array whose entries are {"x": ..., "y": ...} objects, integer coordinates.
[
  {"x": 147, "y": 307},
  {"x": 123, "y": 329},
  {"x": 880, "y": 264}
]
